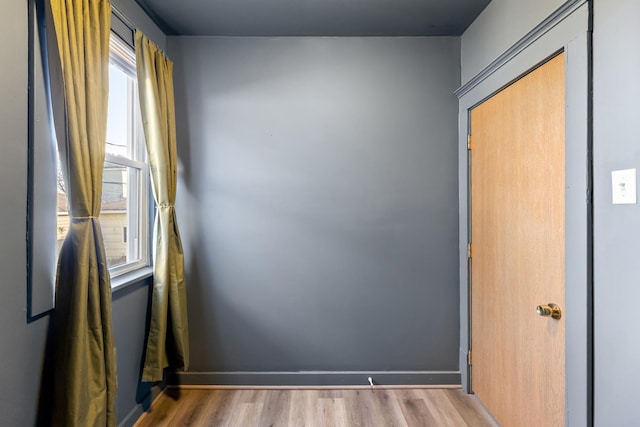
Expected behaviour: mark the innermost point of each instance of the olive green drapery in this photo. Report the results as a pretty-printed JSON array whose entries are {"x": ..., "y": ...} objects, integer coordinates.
[
  {"x": 168, "y": 341},
  {"x": 84, "y": 357}
]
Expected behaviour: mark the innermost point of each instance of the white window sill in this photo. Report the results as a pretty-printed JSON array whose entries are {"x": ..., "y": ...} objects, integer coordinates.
[{"x": 135, "y": 276}]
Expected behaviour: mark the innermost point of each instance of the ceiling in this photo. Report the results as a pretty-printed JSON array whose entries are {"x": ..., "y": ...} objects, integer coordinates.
[{"x": 314, "y": 17}]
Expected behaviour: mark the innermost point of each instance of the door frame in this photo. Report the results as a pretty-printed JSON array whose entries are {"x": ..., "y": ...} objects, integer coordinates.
[{"x": 567, "y": 29}]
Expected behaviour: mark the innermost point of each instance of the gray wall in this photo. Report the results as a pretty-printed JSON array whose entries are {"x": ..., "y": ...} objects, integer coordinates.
[
  {"x": 22, "y": 345},
  {"x": 617, "y": 227},
  {"x": 499, "y": 26},
  {"x": 129, "y": 309},
  {"x": 22, "y": 350},
  {"x": 318, "y": 202}
]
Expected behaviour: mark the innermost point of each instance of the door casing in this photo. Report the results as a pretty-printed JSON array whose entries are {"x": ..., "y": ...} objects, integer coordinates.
[{"x": 568, "y": 29}]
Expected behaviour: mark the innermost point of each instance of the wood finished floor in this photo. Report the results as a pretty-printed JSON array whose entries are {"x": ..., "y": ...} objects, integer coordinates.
[{"x": 317, "y": 408}]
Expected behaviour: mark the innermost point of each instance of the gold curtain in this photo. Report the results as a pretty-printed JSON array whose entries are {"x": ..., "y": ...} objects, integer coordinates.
[
  {"x": 84, "y": 358},
  {"x": 168, "y": 341}
]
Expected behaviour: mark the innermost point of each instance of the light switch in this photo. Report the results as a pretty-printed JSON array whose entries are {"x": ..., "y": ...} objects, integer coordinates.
[{"x": 623, "y": 187}]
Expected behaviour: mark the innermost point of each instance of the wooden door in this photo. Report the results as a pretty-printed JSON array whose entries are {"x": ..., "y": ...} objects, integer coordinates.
[{"x": 517, "y": 235}]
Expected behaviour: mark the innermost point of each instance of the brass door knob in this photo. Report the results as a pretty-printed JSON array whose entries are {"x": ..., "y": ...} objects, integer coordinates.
[{"x": 549, "y": 310}]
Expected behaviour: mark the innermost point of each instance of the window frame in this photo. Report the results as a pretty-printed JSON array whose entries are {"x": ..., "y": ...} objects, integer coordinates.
[{"x": 122, "y": 56}]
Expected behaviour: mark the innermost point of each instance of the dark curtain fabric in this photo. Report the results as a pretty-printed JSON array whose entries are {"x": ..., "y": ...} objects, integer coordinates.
[
  {"x": 83, "y": 357},
  {"x": 168, "y": 342}
]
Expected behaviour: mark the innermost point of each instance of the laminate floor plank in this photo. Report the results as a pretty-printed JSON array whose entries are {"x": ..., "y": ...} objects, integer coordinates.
[
  {"x": 331, "y": 412},
  {"x": 359, "y": 409},
  {"x": 468, "y": 406},
  {"x": 330, "y": 393},
  {"x": 276, "y": 408},
  {"x": 163, "y": 410},
  {"x": 389, "y": 410},
  {"x": 443, "y": 409},
  {"x": 317, "y": 408},
  {"x": 302, "y": 411},
  {"x": 415, "y": 409},
  {"x": 219, "y": 408},
  {"x": 246, "y": 414},
  {"x": 189, "y": 413}
]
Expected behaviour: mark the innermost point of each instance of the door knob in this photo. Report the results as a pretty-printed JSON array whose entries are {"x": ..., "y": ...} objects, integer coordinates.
[{"x": 549, "y": 310}]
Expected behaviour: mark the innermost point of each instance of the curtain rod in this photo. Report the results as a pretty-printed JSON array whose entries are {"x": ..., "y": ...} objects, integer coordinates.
[
  {"x": 126, "y": 38},
  {"x": 122, "y": 17},
  {"x": 129, "y": 24}
]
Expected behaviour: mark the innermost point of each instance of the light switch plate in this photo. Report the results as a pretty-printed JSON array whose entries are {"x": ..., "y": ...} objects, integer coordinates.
[{"x": 623, "y": 187}]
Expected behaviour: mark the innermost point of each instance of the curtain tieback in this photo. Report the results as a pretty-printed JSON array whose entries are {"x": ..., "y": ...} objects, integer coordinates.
[
  {"x": 166, "y": 205},
  {"x": 83, "y": 217}
]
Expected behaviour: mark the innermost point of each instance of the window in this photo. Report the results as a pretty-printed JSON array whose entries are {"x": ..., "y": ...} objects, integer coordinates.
[{"x": 124, "y": 216}]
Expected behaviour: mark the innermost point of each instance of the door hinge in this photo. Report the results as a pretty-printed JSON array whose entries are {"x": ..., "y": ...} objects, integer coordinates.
[
  {"x": 469, "y": 250},
  {"x": 468, "y": 142},
  {"x": 469, "y": 358}
]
